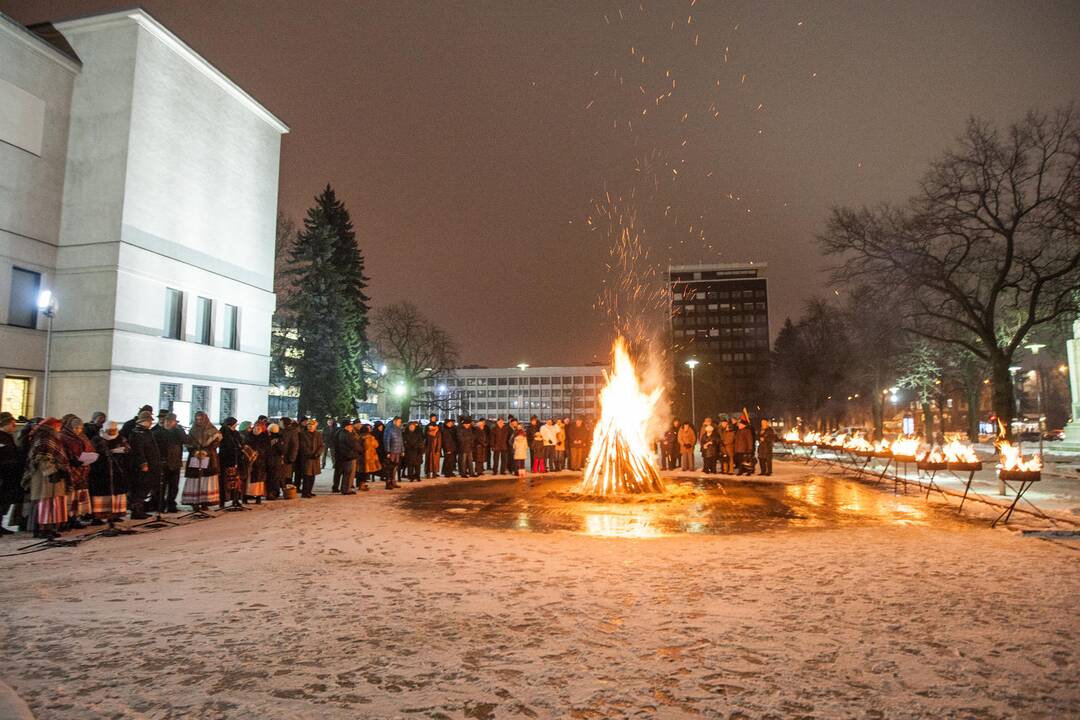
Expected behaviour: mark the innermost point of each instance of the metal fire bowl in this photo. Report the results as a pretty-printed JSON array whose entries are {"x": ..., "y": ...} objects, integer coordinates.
[
  {"x": 883, "y": 455},
  {"x": 964, "y": 466},
  {"x": 904, "y": 458},
  {"x": 1020, "y": 476},
  {"x": 931, "y": 466},
  {"x": 863, "y": 453}
]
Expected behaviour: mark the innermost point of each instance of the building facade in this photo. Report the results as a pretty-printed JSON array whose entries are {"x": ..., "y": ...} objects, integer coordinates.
[
  {"x": 160, "y": 254},
  {"x": 720, "y": 317},
  {"x": 500, "y": 392}
]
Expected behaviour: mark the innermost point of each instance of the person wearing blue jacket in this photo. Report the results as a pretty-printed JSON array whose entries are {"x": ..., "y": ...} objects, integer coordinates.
[{"x": 395, "y": 448}]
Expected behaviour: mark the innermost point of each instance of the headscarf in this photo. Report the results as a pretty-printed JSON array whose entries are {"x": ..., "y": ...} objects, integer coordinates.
[
  {"x": 202, "y": 436},
  {"x": 45, "y": 446},
  {"x": 110, "y": 425}
]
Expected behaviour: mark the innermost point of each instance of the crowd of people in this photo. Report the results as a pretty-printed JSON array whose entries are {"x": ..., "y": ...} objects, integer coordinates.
[{"x": 63, "y": 473}]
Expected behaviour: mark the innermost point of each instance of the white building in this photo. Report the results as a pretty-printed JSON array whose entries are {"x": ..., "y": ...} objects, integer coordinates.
[
  {"x": 139, "y": 185},
  {"x": 494, "y": 392}
]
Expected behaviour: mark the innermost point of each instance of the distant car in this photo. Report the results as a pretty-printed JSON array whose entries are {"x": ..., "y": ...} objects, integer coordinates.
[
  {"x": 1054, "y": 435},
  {"x": 1028, "y": 436}
]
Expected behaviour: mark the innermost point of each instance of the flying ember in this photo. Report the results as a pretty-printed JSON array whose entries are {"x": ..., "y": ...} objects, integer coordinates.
[{"x": 620, "y": 461}]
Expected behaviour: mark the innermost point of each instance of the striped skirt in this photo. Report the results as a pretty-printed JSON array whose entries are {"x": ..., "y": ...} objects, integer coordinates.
[
  {"x": 80, "y": 503},
  {"x": 256, "y": 489},
  {"x": 107, "y": 506},
  {"x": 51, "y": 511},
  {"x": 200, "y": 491}
]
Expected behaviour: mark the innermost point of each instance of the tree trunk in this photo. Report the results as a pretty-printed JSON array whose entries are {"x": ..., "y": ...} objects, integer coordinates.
[
  {"x": 971, "y": 397},
  {"x": 928, "y": 420},
  {"x": 877, "y": 408},
  {"x": 1003, "y": 400}
]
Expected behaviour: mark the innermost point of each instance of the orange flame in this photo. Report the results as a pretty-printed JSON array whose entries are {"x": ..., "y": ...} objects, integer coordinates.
[
  {"x": 1013, "y": 461},
  {"x": 621, "y": 460},
  {"x": 957, "y": 452},
  {"x": 906, "y": 447}
]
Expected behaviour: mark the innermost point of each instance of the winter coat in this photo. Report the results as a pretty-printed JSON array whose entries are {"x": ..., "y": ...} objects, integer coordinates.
[
  {"x": 290, "y": 451},
  {"x": 521, "y": 447},
  {"x": 347, "y": 446},
  {"x": 449, "y": 440},
  {"x": 727, "y": 441},
  {"x": 11, "y": 470},
  {"x": 702, "y": 433},
  {"x": 393, "y": 443},
  {"x": 46, "y": 474},
  {"x": 500, "y": 438},
  {"x": 669, "y": 440},
  {"x": 229, "y": 452},
  {"x": 744, "y": 441},
  {"x": 560, "y": 438},
  {"x": 710, "y": 444},
  {"x": 414, "y": 444},
  {"x": 577, "y": 436},
  {"x": 767, "y": 438},
  {"x": 687, "y": 437},
  {"x": 144, "y": 451},
  {"x": 550, "y": 434},
  {"x": 109, "y": 473},
  {"x": 433, "y": 440},
  {"x": 170, "y": 444},
  {"x": 371, "y": 453},
  {"x": 309, "y": 455},
  {"x": 466, "y": 440}
]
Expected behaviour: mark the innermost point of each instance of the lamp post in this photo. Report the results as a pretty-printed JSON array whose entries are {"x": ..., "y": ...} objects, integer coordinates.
[
  {"x": 1035, "y": 348},
  {"x": 692, "y": 363},
  {"x": 1013, "y": 369},
  {"x": 521, "y": 395},
  {"x": 47, "y": 305}
]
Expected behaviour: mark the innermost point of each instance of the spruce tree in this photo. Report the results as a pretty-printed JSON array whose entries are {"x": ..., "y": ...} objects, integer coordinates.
[{"x": 326, "y": 310}]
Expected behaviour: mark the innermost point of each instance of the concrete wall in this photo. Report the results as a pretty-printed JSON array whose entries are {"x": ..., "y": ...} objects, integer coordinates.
[{"x": 37, "y": 82}]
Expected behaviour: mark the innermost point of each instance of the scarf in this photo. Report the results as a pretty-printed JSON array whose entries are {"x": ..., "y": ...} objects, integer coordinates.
[{"x": 202, "y": 436}]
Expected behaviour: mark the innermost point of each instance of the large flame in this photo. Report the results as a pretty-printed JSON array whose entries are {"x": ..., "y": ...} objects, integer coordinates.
[
  {"x": 1013, "y": 461},
  {"x": 620, "y": 461},
  {"x": 958, "y": 452},
  {"x": 906, "y": 446}
]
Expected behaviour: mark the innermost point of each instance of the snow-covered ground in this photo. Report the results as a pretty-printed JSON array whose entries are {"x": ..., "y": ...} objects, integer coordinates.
[{"x": 352, "y": 607}]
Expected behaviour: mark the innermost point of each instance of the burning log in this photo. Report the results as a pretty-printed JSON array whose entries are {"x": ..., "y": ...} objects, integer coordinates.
[
  {"x": 959, "y": 456},
  {"x": 905, "y": 449},
  {"x": 1012, "y": 465},
  {"x": 621, "y": 461},
  {"x": 932, "y": 460}
]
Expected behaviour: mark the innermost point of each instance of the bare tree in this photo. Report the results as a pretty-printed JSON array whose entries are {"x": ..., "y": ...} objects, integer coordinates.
[
  {"x": 987, "y": 251},
  {"x": 413, "y": 349}
]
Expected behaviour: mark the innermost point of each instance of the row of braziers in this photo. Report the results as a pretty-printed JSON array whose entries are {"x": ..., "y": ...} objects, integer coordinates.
[{"x": 856, "y": 452}]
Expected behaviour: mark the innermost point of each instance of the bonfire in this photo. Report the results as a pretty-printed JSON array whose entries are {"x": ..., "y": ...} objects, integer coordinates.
[
  {"x": 957, "y": 452},
  {"x": 621, "y": 461},
  {"x": 1013, "y": 461}
]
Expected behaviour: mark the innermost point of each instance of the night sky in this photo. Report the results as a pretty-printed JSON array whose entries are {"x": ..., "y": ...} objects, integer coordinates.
[{"x": 471, "y": 140}]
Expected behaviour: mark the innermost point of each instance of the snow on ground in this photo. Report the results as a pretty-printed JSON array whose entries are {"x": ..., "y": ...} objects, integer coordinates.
[{"x": 353, "y": 608}]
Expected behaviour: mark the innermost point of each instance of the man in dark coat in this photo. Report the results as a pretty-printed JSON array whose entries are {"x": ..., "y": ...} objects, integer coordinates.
[
  {"x": 500, "y": 447},
  {"x": 290, "y": 450},
  {"x": 577, "y": 435},
  {"x": 11, "y": 468},
  {"x": 466, "y": 439},
  {"x": 766, "y": 440},
  {"x": 170, "y": 439},
  {"x": 127, "y": 427},
  {"x": 329, "y": 431},
  {"x": 347, "y": 452},
  {"x": 450, "y": 448},
  {"x": 414, "y": 440},
  {"x": 480, "y": 446},
  {"x": 309, "y": 455},
  {"x": 146, "y": 466},
  {"x": 432, "y": 447},
  {"x": 744, "y": 448}
]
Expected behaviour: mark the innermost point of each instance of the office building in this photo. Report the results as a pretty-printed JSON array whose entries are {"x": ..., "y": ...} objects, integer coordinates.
[
  {"x": 499, "y": 392},
  {"x": 720, "y": 317}
]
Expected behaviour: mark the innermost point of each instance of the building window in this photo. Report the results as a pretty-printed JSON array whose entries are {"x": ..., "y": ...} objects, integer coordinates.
[
  {"x": 167, "y": 392},
  {"x": 200, "y": 399},
  {"x": 228, "y": 402},
  {"x": 16, "y": 397},
  {"x": 204, "y": 321},
  {"x": 232, "y": 328},
  {"x": 23, "y": 309},
  {"x": 174, "y": 314}
]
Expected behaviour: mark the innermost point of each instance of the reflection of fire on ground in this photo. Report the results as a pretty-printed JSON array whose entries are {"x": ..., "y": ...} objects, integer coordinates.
[{"x": 621, "y": 461}]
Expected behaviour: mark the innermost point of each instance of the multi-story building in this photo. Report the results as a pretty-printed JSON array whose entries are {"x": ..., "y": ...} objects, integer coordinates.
[
  {"x": 720, "y": 317},
  {"x": 521, "y": 392},
  {"x": 138, "y": 185}
]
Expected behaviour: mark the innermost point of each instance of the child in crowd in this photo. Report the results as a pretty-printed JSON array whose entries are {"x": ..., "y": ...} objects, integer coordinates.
[{"x": 521, "y": 452}]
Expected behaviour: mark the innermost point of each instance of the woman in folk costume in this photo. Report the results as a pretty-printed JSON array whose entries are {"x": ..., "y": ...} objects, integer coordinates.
[
  {"x": 47, "y": 477},
  {"x": 231, "y": 456},
  {"x": 258, "y": 441},
  {"x": 201, "y": 471},
  {"x": 108, "y": 474},
  {"x": 77, "y": 445}
]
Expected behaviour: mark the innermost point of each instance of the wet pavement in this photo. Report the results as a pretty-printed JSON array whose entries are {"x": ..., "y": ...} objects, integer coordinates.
[{"x": 704, "y": 507}]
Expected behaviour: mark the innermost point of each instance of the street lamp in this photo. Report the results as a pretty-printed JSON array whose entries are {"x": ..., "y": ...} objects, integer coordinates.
[
  {"x": 47, "y": 305},
  {"x": 1035, "y": 348},
  {"x": 692, "y": 363},
  {"x": 521, "y": 395}
]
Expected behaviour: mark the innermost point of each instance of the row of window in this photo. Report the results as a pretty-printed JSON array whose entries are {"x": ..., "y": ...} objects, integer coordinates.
[
  {"x": 537, "y": 380},
  {"x": 762, "y": 334},
  {"x": 532, "y": 392},
  {"x": 531, "y": 405},
  {"x": 204, "y": 320},
  {"x": 724, "y": 307},
  {"x": 689, "y": 294},
  {"x": 200, "y": 399},
  {"x": 715, "y": 275},
  {"x": 722, "y": 320}
]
